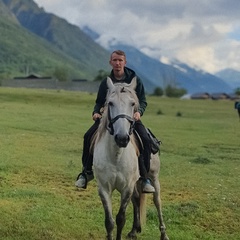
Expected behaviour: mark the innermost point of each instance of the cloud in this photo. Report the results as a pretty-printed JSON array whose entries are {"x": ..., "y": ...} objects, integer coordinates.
[{"x": 202, "y": 33}]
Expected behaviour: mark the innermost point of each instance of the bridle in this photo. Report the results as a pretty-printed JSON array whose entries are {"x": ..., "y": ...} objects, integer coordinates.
[{"x": 113, "y": 120}]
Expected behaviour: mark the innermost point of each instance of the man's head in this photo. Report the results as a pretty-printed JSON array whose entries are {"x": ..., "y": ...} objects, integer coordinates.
[
  {"x": 118, "y": 52},
  {"x": 118, "y": 62}
]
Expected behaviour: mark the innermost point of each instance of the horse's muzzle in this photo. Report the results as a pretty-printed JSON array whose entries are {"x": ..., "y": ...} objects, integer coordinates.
[{"x": 122, "y": 140}]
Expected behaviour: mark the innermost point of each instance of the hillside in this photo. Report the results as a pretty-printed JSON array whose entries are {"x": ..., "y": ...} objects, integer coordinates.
[
  {"x": 231, "y": 76},
  {"x": 154, "y": 73},
  {"x": 6, "y": 14},
  {"x": 45, "y": 42},
  {"x": 29, "y": 53},
  {"x": 34, "y": 41}
]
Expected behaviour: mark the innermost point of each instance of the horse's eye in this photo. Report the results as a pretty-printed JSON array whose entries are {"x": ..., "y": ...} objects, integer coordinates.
[
  {"x": 110, "y": 103},
  {"x": 133, "y": 104}
]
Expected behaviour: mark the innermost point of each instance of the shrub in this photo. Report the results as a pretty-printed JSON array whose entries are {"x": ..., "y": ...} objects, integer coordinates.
[
  {"x": 101, "y": 75},
  {"x": 158, "y": 91},
  {"x": 237, "y": 91},
  {"x": 174, "y": 92},
  {"x": 159, "y": 112},
  {"x": 178, "y": 114},
  {"x": 201, "y": 160}
]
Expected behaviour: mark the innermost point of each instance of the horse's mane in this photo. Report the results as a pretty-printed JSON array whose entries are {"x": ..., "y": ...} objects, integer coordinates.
[{"x": 103, "y": 126}]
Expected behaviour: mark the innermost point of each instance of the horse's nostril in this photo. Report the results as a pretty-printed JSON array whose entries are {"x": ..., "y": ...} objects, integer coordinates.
[{"x": 122, "y": 140}]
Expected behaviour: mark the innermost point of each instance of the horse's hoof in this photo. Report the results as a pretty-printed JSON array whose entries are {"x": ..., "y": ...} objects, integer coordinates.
[
  {"x": 132, "y": 236},
  {"x": 164, "y": 237}
]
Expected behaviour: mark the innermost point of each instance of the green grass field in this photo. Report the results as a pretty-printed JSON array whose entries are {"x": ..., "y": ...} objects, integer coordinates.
[{"x": 41, "y": 134}]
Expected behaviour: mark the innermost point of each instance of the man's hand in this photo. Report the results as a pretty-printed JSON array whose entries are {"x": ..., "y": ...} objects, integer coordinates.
[
  {"x": 137, "y": 116},
  {"x": 96, "y": 116}
]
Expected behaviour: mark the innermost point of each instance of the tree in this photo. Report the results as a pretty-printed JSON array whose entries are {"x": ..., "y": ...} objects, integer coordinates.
[
  {"x": 237, "y": 91},
  {"x": 158, "y": 91},
  {"x": 61, "y": 74},
  {"x": 174, "y": 92},
  {"x": 101, "y": 75}
]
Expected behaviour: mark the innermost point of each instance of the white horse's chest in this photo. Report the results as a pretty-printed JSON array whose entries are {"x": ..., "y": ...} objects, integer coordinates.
[{"x": 118, "y": 166}]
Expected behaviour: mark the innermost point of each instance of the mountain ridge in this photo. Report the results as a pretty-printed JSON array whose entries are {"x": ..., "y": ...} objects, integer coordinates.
[
  {"x": 231, "y": 76},
  {"x": 16, "y": 56},
  {"x": 157, "y": 74},
  {"x": 78, "y": 54},
  {"x": 179, "y": 74},
  {"x": 46, "y": 41}
]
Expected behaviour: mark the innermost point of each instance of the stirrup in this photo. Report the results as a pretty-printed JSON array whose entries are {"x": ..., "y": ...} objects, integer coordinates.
[
  {"x": 147, "y": 186},
  {"x": 86, "y": 176},
  {"x": 81, "y": 181}
]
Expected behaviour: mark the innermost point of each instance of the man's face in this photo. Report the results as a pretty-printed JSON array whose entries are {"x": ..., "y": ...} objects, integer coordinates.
[{"x": 117, "y": 62}]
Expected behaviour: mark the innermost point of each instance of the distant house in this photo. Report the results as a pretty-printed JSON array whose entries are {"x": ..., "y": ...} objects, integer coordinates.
[
  {"x": 79, "y": 80},
  {"x": 217, "y": 96},
  {"x": 31, "y": 81},
  {"x": 31, "y": 77},
  {"x": 186, "y": 96},
  {"x": 234, "y": 96},
  {"x": 203, "y": 95}
]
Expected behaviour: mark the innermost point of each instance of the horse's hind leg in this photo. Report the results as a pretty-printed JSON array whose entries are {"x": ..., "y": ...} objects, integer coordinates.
[
  {"x": 157, "y": 202},
  {"x": 107, "y": 205}
]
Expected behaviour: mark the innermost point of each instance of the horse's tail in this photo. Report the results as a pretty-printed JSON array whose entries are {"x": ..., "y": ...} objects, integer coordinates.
[{"x": 143, "y": 212}]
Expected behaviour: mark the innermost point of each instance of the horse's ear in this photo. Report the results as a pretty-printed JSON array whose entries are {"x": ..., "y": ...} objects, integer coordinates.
[
  {"x": 133, "y": 83},
  {"x": 109, "y": 83}
]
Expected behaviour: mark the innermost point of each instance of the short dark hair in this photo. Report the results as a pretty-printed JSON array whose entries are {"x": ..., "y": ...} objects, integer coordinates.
[{"x": 118, "y": 52}]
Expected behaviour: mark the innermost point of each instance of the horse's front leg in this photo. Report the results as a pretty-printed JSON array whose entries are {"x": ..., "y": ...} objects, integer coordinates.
[
  {"x": 136, "y": 227},
  {"x": 121, "y": 216},
  {"x": 107, "y": 205}
]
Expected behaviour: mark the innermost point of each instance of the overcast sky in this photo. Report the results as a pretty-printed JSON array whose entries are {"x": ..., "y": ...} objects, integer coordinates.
[{"x": 201, "y": 33}]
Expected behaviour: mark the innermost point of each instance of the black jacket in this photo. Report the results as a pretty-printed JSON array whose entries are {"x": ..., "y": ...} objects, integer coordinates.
[{"x": 129, "y": 75}]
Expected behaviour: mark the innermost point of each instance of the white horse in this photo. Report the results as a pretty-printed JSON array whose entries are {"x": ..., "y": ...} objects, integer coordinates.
[{"x": 115, "y": 160}]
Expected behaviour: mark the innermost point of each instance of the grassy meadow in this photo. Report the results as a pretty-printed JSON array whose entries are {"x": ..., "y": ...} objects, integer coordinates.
[{"x": 41, "y": 135}]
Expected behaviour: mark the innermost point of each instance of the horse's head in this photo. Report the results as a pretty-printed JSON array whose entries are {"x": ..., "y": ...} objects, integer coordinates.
[{"x": 122, "y": 102}]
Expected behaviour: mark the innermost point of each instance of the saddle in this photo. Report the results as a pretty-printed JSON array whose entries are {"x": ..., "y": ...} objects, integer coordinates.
[{"x": 154, "y": 142}]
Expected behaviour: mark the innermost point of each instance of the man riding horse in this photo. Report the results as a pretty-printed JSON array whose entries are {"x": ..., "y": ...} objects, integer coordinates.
[{"x": 119, "y": 74}]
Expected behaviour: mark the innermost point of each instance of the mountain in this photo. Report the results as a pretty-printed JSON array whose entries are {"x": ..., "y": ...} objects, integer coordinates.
[
  {"x": 154, "y": 73},
  {"x": 6, "y": 14},
  {"x": 35, "y": 41},
  {"x": 39, "y": 41},
  {"x": 230, "y": 76},
  {"x": 21, "y": 51},
  {"x": 157, "y": 74}
]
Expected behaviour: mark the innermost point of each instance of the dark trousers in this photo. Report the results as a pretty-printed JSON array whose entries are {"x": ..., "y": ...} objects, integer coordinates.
[
  {"x": 87, "y": 157},
  {"x": 144, "y": 159},
  {"x": 146, "y": 154}
]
